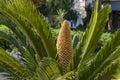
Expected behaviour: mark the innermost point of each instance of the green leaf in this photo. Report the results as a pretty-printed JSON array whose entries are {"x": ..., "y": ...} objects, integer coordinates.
[
  {"x": 13, "y": 63},
  {"x": 29, "y": 61},
  {"x": 116, "y": 75},
  {"x": 68, "y": 76},
  {"x": 94, "y": 32},
  {"x": 88, "y": 43},
  {"x": 86, "y": 47},
  {"x": 83, "y": 47},
  {"x": 11, "y": 39},
  {"x": 12, "y": 26},
  {"x": 109, "y": 52},
  {"x": 48, "y": 69},
  {"x": 111, "y": 72},
  {"x": 31, "y": 22}
]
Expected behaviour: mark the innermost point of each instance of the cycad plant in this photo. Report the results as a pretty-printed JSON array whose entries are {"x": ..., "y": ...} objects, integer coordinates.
[{"x": 41, "y": 59}]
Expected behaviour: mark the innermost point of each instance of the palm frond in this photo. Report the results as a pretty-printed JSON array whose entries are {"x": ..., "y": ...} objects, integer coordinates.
[
  {"x": 26, "y": 51},
  {"x": 13, "y": 63},
  {"x": 11, "y": 39},
  {"x": 29, "y": 61},
  {"x": 48, "y": 70},
  {"x": 82, "y": 50},
  {"x": 10, "y": 73},
  {"x": 12, "y": 26},
  {"x": 109, "y": 52},
  {"x": 86, "y": 47},
  {"x": 29, "y": 20},
  {"x": 89, "y": 36},
  {"x": 92, "y": 34},
  {"x": 68, "y": 76},
  {"x": 111, "y": 72},
  {"x": 116, "y": 75}
]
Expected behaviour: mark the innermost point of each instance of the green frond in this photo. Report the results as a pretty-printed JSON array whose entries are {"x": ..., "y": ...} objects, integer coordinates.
[
  {"x": 76, "y": 38},
  {"x": 81, "y": 50},
  {"x": 11, "y": 39},
  {"x": 89, "y": 35},
  {"x": 26, "y": 51},
  {"x": 29, "y": 60},
  {"x": 12, "y": 26},
  {"x": 111, "y": 72},
  {"x": 86, "y": 47},
  {"x": 109, "y": 52},
  {"x": 28, "y": 19},
  {"x": 48, "y": 70},
  {"x": 68, "y": 76},
  {"x": 92, "y": 34},
  {"x": 10, "y": 73},
  {"x": 116, "y": 74},
  {"x": 25, "y": 28},
  {"x": 11, "y": 62}
]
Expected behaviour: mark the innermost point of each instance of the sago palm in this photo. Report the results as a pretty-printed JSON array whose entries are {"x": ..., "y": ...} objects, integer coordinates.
[{"x": 41, "y": 59}]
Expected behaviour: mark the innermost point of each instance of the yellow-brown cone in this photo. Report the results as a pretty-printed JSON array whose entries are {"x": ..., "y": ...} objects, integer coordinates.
[{"x": 64, "y": 46}]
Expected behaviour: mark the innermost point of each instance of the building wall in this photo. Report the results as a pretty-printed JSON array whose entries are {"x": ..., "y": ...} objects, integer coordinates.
[
  {"x": 90, "y": 2},
  {"x": 79, "y": 5},
  {"x": 115, "y": 5}
]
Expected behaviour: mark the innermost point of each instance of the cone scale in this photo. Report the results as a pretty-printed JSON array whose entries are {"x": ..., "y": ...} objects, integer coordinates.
[{"x": 64, "y": 46}]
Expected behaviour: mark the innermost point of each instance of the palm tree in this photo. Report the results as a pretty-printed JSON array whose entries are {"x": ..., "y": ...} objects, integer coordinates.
[{"x": 42, "y": 60}]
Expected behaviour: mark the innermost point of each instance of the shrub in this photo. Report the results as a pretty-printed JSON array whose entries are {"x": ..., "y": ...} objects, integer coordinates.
[{"x": 38, "y": 50}]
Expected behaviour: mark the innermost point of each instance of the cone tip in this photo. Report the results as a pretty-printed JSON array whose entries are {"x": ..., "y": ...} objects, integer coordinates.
[{"x": 66, "y": 22}]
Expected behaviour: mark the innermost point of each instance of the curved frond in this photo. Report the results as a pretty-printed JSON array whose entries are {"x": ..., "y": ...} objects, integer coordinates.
[
  {"x": 26, "y": 51},
  {"x": 29, "y": 20},
  {"x": 12, "y": 26},
  {"x": 11, "y": 39},
  {"x": 48, "y": 70},
  {"x": 86, "y": 47},
  {"x": 109, "y": 52},
  {"x": 82, "y": 50},
  {"x": 111, "y": 72},
  {"x": 116, "y": 74},
  {"x": 6, "y": 59},
  {"x": 68, "y": 76}
]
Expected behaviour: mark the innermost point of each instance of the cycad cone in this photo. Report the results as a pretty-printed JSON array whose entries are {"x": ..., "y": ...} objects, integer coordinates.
[{"x": 64, "y": 46}]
